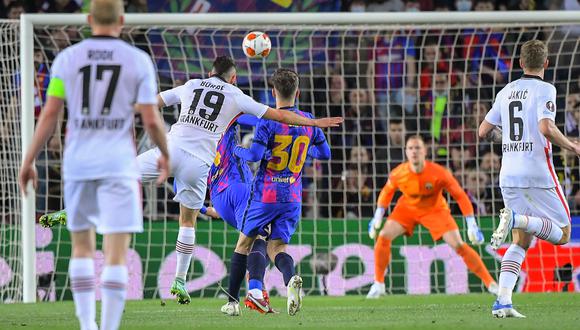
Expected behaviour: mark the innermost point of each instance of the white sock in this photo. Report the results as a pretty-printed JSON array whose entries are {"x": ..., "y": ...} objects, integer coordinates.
[
  {"x": 257, "y": 293},
  {"x": 184, "y": 250},
  {"x": 82, "y": 283},
  {"x": 113, "y": 293},
  {"x": 511, "y": 265},
  {"x": 540, "y": 227}
]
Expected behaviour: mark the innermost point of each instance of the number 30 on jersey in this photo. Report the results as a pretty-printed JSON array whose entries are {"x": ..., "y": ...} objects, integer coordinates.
[{"x": 293, "y": 161}]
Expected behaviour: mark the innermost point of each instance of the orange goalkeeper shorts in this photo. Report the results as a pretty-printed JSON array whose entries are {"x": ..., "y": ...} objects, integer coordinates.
[{"x": 437, "y": 220}]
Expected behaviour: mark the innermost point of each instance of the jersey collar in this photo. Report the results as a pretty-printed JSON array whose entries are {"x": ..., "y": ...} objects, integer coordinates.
[
  {"x": 103, "y": 37},
  {"x": 219, "y": 77},
  {"x": 293, "y": 107},
  {"x": 531, "y": 76}
]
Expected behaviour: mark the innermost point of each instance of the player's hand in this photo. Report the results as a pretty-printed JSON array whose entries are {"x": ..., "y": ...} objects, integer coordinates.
[
  {"x": 473, "y": 232},
  {"x": 328, "y": 122},
  {"x": 374, "y": 227},
  {"x": 27, "y": 173},
  {"x": 212, "y": 213},
  {"x": 163, "y": 168}
]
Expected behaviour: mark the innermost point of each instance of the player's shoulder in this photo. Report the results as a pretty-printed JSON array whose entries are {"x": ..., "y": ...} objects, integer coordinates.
[
  {"x": 400, "y": 171},
  {"x": 436, "y": 168}
]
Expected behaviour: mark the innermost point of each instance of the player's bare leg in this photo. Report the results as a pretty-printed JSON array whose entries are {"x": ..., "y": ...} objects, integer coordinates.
[
  {"x": 114, "y": 279},
  {"x": 82, "y": 277},
  {"x": 184, "y": 252},
  {"x": 471, "y": 258},
  {"x": 285, "y": 264},
  {"x": 511, "y": 265},
  {"x": 391, "y": 230},
  {"x": 542, "y": 228}
]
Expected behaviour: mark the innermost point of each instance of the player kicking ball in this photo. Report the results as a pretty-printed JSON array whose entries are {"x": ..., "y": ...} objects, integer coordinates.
[
  {"x": 534, "y": 202},
  {"x": 277, "y": 191},
  {"x": 230, "y": 180},
  {"x": 421, "y": 183},
  {"x": 207, "y": 108}
]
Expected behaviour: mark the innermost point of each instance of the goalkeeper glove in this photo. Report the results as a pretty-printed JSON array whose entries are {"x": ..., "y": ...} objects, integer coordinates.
[
  {"x": 376, "y": 222},
  {"x": 473, "y": 232}
]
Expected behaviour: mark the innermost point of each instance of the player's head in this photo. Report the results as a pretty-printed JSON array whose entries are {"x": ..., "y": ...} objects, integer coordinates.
[
  {"x": 106, "y": 17},
  {"x": 285, "y": 82},
  {"x": 224, "y": 67},
  {"x": 534, "y": 56},
  {"x": 415, "y": 149}
]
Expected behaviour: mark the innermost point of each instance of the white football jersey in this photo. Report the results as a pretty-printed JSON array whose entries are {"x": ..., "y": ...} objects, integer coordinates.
[
  {"x": 208, "y": 107},
  {"x": 104, "y": 77},
  {"x": 527, "y": 154}
]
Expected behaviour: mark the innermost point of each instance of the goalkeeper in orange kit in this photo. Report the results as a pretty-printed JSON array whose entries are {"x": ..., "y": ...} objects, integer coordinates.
[{"x": 421, "y": 183}]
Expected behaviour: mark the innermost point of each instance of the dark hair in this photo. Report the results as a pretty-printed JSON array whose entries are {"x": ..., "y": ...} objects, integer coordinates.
[
  {"x": 222, "y": 65},
  {"x": 395, "y": 121},
  {"x": 285, "y": 82}
]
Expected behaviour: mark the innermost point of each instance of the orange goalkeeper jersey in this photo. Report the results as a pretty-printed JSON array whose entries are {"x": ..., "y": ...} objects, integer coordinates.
[{"x": 423, "y": 191}]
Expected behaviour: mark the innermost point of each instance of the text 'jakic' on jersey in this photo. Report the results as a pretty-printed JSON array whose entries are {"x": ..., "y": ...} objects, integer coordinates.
[
  {"x": 517, "y": 146},
  {"x": 100, "y": 123}
]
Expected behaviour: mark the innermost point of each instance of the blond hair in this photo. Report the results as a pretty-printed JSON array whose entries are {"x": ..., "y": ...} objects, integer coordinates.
[
  {"x": 534, "y": 54},
  {"x": 106, "y": 12}
]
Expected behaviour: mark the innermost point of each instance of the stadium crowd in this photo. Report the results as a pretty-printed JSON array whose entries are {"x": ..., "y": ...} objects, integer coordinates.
[{"x": 437, "y": 82}]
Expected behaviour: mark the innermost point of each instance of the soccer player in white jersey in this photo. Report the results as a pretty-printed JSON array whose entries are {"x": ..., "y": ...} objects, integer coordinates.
[
  {"x": 103, "y": 80},
  {"x": 208, "y": 107},
  {"x": 535, "y": 205}
]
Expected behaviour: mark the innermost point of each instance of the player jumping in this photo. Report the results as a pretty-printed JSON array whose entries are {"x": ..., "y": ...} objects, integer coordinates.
[
  {"x": 534, "y": 202},
  {"x": 277, "y": 190},
  {"x": 102, "y": 79},
  {"x": 421, "y": 183}
]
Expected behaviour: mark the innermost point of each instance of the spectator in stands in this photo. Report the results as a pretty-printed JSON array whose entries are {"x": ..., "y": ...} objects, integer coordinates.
[
  {"x": 41, "y": 81},
  {"x": 393, "y": 154},
  {"x": 356, "y": 6},
  {"x": 490, "y": 164},
  {"x": 572, "y": 114},
  {"x": 463, "y": 5},
  {"x": 461, "y": 159},
  {"x": 136, "y": 6},
  {"x": 64, "y": 6},
  {"x": 567, "y": 170},
  {"x": 360, "y": 126},
  {"x": 484, "y": 5},
  {"x": 14, "y": 9},
  {"x": 479, "y": 192},
  {"x": 385, "y": 5},
  {"x": 392, "y": 67},
  {"x": 432, "y": 60}
]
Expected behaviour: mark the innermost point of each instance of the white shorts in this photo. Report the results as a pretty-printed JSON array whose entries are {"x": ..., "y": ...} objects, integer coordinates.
[
  {"x": 111, "y": 205},
  {"x": 189, "y": 172},
  {"x": 546, "y": 203}
]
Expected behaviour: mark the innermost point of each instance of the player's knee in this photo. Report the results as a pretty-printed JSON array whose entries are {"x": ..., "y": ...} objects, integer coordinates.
[
  {"x": 388, "y": 234},
  {"x": 565, "y": 238}
]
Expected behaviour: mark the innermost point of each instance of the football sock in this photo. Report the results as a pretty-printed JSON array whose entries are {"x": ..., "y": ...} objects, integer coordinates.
[
  {"x": 474, "y": 263},
  {"x": 257, "y": 262},
  {"x": 285, "y": 265},
  {"x": 382, "y": 258},
  {"x": 542, "y": 228},
  {"x": 114, "y": 292},
  {"x": 184, "y": 250},
  {"x": 237, "y": 272},
  {"x": 82, "y": 283},
  {"x": 511, "y": 264}
]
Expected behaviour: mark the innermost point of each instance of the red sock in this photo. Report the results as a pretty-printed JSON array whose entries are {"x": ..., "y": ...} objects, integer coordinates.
[
  {"x": 382, "y": 258},
  {"x": 474, "y": 263}
]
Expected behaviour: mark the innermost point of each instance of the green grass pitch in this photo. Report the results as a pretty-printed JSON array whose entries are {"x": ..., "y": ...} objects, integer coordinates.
[{"x": 544, "y": 311}]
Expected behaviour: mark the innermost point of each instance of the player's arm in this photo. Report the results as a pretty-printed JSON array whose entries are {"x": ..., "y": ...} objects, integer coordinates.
[
  {"x": 549, "y": 129},
  {"x": 385, "y": 198},
  {"x": 291, "y": 118},
  {"x": 44, "y": 130},
  {"x": 489, "y": 132},
  {"x": 259, "y": 145},
  {"x": 488, "y": 129},
  {"x": 320, "y": 148},
  {"x": 452, "y": 186}
]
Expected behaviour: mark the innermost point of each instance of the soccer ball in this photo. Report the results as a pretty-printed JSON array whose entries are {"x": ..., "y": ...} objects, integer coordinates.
[{"x": 256, "y": 45}]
